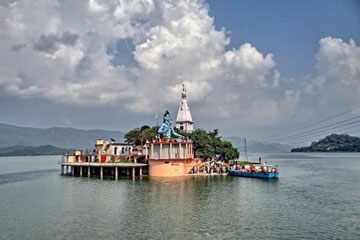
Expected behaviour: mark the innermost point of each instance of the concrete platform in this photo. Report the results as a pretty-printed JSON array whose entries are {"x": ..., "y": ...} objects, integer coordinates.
[{"x": 100, "y": 169}]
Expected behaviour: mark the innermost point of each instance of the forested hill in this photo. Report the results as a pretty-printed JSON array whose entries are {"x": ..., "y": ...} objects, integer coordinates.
[
  {"x": 333, "y": 143},
  {"x": 33, "y": 151}
]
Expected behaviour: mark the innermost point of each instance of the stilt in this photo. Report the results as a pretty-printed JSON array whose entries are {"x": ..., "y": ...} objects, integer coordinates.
[
  {"x": 62, "y": 170},
  {"x": 73, "y": 170},
  {"x": 81, "y": 171},
  {"x": 116, "y": 173},
  {"x": 88, "y": 172},
  {"x": 133, "y": 172},
  {"x": 140, "y": 172},
  {"x": 127, "y": 172},
  {"x": 101, "y": 172}
]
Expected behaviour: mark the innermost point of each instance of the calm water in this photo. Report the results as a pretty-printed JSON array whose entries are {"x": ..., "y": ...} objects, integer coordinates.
[{"x": 317, "y": 197}]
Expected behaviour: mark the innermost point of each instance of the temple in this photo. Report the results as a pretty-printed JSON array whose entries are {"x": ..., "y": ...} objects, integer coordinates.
[
  {"x": 184, "y": 120},
  {"x": 169, "y": 154}
]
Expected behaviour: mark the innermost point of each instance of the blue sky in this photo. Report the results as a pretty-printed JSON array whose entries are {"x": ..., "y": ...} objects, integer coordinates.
[{"x": 252, "y": 68}]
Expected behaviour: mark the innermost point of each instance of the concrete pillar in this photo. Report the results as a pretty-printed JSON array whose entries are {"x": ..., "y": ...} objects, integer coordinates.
[
  {"x": 146, "y": 151},
  {"x": 73, "y": 170},
  {"x": 161, "y": 151},
  {"x": 192, "y": 150},
  {"x": 140, "y": 171},
  {"x": 81, "y": 171},
  {"x": 171, "y": 151},
  {"x": 67, "y": 170},
  {"x": 101, "y": 172},
  {"x": 133, "y": 172},
  {"x": 152, "y": 151},
  {"x": 88, "y": 172},
  {"x": 62, "y": 169},
  {"x": 186, "y": 150},
  {"x": 180, "y": 151},
  {"x": 116, "y": 173},
  {"x": 127, "y": 172}
]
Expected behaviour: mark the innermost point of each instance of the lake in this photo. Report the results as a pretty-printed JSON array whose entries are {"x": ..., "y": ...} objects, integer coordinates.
[{"x": 316, "y": 197}]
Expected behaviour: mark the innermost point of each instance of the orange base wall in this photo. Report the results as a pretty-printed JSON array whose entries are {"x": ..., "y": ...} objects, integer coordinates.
[{"x": 174, "y": 168}]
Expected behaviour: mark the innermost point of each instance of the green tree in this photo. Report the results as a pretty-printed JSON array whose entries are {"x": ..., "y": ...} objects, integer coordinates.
[
  {"x": 133, "y": 136},
  {"x": 229, "y": 152},
  {"x": 144, "y": 127},
  {"x": 150, "y": 133},
  {"x": 209, "y": 144},
  {"x": 202, "y": 144}
]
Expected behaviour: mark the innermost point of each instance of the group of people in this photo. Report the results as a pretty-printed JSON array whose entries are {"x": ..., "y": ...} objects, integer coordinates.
[{"x": 210, "y": 168}]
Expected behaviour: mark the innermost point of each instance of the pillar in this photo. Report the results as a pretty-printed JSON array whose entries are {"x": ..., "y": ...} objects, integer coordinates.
[
  {"x": 186, "y": 150},
  {"x": 88, "y": 172},
  {"x": 171, "y": 151},
  {"x": 81, "y": 171},
  {"x": 127, "y": 172},
  {"x": 101, "y": 172},
  {"x": 152, "y": 151},
  {"x": 116, "y": 173},
  {"x": 73, "y": 170},
  {"x": 62, "y": 169},
  {"x": 133, "y": 172},
  {"x": 140, "y": 171},
  {"x": 160, "y": 157},
  {"x": 180, "y": 151},
  {"x": 192, "y": 150},
  {"x": 146, "y": 151}
]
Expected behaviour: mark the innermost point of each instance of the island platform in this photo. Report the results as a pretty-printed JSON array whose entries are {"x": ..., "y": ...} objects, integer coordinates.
[{"x": 113, "y": 170}]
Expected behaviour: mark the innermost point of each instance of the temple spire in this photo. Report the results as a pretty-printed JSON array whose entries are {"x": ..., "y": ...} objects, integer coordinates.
[
  {"x": 183, "y": 95},
  {"x": 184, "y": 120}
]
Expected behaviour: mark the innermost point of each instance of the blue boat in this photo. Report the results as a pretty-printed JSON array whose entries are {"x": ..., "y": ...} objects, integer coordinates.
[{"x": 254, "y": 174}]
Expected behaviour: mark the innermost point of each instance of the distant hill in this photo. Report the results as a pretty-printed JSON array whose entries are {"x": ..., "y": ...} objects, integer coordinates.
[
  {"x": 56, "y": 136},
  {"x": 255, "y": 146},
  {"x": 333, "y": 143},
  {"x": 33, "y": 151}
]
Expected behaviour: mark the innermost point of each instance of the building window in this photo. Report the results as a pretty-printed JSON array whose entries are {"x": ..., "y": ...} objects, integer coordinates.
[
  {"x": 181, "y": 127},
  {"x": 167, "y": 162}
]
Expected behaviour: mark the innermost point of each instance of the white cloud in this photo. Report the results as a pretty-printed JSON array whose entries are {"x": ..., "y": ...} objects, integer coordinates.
[
  {"x": 337, "y": 81},
  {"x": 339, "y": 61},
  {"x": 64, "y": 58}
]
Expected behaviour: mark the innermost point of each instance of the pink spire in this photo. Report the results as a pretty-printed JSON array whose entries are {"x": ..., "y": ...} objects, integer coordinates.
[{"x": 184, "y": 120}]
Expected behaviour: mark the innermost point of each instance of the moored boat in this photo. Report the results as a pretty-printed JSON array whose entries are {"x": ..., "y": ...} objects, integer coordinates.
[{"x": 256, "y": 171}]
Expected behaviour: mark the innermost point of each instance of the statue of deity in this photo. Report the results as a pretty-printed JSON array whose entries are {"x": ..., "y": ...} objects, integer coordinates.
[{"x": 167, "y": 130}]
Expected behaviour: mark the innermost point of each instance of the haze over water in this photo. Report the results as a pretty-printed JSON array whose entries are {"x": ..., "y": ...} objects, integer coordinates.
[{"x": 316, "y": 197}]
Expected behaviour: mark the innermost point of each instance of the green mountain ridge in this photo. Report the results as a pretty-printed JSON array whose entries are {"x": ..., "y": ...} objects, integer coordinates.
[
  {"x": 20, "y": 150},
  {"x": 61, "y": 137}
]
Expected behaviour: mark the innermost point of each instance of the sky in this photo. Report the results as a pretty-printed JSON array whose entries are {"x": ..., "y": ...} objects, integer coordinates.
[{"x": 252, "y": 68}]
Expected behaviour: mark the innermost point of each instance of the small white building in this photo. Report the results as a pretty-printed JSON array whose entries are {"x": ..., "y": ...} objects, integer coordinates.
[{"x": 184, "y": 120}]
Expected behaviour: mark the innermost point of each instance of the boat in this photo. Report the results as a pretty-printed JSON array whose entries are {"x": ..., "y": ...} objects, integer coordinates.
[
  {"x": 255, "y": 170},
  {"x": 239, "y": 173}
]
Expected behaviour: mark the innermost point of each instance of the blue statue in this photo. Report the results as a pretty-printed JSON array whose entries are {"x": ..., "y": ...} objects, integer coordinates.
[{"x": 166, "y": 129}]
